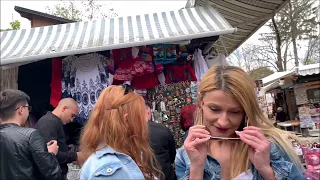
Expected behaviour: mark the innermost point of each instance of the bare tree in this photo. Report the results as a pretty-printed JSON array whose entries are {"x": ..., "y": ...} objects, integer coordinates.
[
  {"x": 66, "y": 9},
  {"x": 82, "y": 10},
  {"x": 247, "y": 57},
  {"x": 312, "y": 54},
  {"x": 296, "y": 22},
  {"x": 273, "y": 53},
  {"x": 278, "y": 44}
]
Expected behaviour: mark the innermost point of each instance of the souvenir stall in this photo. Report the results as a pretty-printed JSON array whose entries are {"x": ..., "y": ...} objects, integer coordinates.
[
  {"x": 261, "y": 97},
  {"x": 308, "y": 100},
  {"x": 159, "y": 52},
  {"x": 166, "y": 75}
]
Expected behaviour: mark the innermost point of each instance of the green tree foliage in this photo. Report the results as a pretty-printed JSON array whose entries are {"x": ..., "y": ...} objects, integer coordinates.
[
  {"x": 260, "y": 73},
  {"x": 15, "y": 25},
  {"x": 66, "y": 9}
]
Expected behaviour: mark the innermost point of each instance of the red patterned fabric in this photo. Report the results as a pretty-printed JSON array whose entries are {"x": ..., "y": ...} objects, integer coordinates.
[
  {"x": 130, "y": 67},
  {"x": 145, "y": 81},
  {"x": 124, "y": 71},
  {"x": 178, "y": 73},
  {"x": 121, "y": 54},
  {"x": 158, "y": 68},
  {"x": 56, "y": 79},
  {"x": 140, "y": 68}
]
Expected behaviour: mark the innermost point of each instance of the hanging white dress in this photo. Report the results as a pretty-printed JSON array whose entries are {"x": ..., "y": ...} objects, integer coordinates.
[
  {"x": 200, "y": 65},
  {"x": 84, "y": 78}
]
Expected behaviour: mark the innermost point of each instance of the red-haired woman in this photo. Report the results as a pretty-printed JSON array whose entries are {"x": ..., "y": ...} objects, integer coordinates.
[{"x": 115, "y": 138}]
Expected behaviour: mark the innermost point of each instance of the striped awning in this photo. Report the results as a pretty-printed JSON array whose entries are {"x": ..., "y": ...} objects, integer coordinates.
[
  {"x": 247, "y": 15},
  {"x": 34, "y": 44}
]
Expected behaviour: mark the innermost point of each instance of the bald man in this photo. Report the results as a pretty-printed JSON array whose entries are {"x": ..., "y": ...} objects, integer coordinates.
[{"x": 51, "y": 128}]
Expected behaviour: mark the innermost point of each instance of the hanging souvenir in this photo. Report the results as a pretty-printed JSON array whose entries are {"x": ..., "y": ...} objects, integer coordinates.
[
  {"x": 194, "y": 91},
  {"x": 170, "y": 99}
]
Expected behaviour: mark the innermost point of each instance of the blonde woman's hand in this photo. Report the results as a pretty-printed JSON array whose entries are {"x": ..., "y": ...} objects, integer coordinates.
[
  {"x": 195, "y": 145},
  {"x": 258, "y": 150}
]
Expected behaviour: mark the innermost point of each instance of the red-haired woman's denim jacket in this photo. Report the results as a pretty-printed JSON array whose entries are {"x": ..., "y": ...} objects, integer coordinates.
[{"x": 108, "y": 164}]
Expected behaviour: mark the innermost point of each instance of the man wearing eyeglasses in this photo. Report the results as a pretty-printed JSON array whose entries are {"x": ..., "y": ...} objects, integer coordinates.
[
  {"x": 51, "y": 127},
  {"x": 23, "y": 152}
]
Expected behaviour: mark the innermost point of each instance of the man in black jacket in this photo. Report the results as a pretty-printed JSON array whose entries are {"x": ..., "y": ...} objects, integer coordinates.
[
  {"x": 51, "y": 127},
  {"x": 23, "y": 152},
  {"x": 162, "y": 142}
]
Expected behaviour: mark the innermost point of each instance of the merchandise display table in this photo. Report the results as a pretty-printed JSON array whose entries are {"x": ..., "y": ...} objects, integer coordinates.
[{"x": 291, "y": 123}]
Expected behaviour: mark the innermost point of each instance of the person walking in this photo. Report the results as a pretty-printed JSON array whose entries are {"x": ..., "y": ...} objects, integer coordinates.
[{"x": 23, "y": 152}]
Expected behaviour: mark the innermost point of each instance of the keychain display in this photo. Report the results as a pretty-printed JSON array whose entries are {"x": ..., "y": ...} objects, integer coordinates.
[
  {"x": 168, "y": 102},
  {"x": 311, "y": 158},
  {"x": 194, "y": 91}
]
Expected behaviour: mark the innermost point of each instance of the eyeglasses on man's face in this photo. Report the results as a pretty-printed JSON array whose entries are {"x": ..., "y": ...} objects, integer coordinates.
[{"x": 29, "y": 107}]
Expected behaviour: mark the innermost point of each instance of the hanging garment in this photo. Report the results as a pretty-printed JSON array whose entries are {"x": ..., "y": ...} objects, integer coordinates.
[
  {"x": 9, "y": 78},
  {"x": 56, "y": 81},
  {"x": 109, "y": 60},
  {"x": 200, "y": 65},
  {"x": 146, "y": 53},
  {"x": 131, "y": 65},
  {"x": 83, "y": 79},
  {"x": 179, "y": 73},
  {"x": 185, "y": 54},
  {"x": 164, "y": 53},
  {"x": 129, "y": 68},
  {"x": 162, "y": 79},
  {"x": 145, "y": 81},
  {"x": 219, "y": 60},
  {"x": 121, "y": 54},
  {"x": 146, "y": 56}
]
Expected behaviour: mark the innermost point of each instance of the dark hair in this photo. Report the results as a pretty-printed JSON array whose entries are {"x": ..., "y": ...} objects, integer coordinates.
[
  {"x": 147, "y": 103},
  {"x": 10, "y": 100}
]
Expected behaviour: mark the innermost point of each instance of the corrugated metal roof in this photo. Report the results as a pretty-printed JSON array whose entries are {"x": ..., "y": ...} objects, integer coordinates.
[
  {"x": 34, "y": 44},
  {"x": 309, "y": 69},
  {"x": 303, "y": 71},
  {"x": 276, "y": 76},
  {"x": 246, "y": 15}
]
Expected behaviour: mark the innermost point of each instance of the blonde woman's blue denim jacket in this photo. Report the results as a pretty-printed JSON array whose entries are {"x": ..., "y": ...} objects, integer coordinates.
[
  {"x": 282, "y": 166},
  {"x": 109, "y": 164}
]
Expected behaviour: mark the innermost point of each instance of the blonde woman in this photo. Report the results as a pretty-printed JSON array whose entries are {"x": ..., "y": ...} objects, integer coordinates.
[
  {"x": 246, "y": 144},
  {"x": 115, "y": 138}
]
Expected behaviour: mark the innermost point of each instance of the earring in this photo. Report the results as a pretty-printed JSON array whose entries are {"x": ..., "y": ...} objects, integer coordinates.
[
  {"x": 199, "y": 116},
  {"x": 246, "y": 122}
]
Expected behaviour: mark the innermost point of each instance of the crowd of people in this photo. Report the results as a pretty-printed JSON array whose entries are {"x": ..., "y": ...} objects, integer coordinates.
[{"x": 228, "y": 138}]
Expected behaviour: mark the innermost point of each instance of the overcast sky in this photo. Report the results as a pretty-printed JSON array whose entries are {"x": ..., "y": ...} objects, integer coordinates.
[{"x": 120, "y": 7}]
